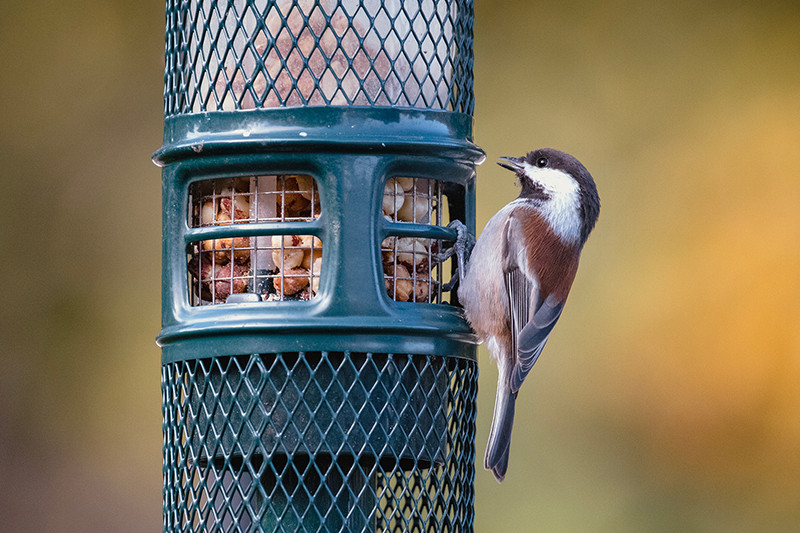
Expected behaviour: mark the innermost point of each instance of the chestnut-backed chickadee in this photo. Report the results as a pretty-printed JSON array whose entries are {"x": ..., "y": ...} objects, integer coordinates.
[{"x": 520, "y": 273}]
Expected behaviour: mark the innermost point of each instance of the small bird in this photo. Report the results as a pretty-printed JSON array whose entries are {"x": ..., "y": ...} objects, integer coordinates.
[{"x": 520, "y": 272}]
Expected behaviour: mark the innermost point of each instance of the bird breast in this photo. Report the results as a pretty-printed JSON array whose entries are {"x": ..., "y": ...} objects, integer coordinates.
[
  {"x": 553, "y": 260},
  {"x": 482, "y": 292}
]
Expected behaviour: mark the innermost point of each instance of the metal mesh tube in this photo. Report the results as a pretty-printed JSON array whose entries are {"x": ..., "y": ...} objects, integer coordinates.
[
  {"x": 319, "y": 442},
  {"x": 225, "y": 56}
]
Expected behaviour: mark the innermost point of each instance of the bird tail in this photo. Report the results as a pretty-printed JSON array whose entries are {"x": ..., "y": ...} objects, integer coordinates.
[{"x": 499, "y": 444}]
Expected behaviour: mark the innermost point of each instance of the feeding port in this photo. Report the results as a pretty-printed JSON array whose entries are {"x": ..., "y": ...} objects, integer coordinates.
[{"x": 254, "y": 268}]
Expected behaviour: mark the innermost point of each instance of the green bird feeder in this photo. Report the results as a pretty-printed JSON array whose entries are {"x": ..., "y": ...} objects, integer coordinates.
[{"x": 317, "y": 370}]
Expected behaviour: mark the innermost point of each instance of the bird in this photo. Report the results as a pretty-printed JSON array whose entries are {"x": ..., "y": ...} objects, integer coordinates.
[{"x": 520, "y": 272}]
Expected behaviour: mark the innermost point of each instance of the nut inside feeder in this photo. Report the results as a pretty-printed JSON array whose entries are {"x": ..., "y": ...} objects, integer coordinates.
[{"x": 254, "y": 268}]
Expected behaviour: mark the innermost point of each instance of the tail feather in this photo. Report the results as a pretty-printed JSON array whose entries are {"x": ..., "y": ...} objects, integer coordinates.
[{"x": 499, "y": 444}]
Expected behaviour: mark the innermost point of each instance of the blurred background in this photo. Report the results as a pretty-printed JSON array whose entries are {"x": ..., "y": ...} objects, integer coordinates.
[{"x": 668, "y": 398}]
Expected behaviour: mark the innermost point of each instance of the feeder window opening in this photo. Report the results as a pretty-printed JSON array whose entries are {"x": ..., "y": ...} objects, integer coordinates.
[
  {"x": 412, "y": 266},
  {"x": 242, "y": 268}
]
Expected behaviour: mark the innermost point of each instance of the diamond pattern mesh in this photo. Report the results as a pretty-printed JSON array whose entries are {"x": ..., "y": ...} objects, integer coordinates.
[
  {"x": 245, "y": 54},
  {"x": 326, "y": 441}
]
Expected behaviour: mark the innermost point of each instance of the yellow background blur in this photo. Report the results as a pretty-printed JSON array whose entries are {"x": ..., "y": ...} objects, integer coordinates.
[{"x": 668, "y": 398}]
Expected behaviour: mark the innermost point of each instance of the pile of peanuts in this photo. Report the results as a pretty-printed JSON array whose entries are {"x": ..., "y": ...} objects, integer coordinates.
[
  {"x": 298, "y": 262},
  {"x": 222, "y": 267},
  {"x": 406, "y": 268},
  {"x": 297, "y": 258},
  {"x": 407, "y": 260}
]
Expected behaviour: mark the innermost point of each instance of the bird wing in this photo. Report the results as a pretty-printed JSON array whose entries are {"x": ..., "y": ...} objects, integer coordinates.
[{"x": 532, "y": 320}]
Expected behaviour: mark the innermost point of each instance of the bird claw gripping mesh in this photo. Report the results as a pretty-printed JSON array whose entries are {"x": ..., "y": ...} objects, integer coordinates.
[{"x": 462, "y": 249}]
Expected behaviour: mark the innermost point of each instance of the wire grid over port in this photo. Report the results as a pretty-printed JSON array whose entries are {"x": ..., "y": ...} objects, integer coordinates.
[
  {"x": 413, "y": 268},
  {"x": 319, "y": 441},
  {"x": 246, "y": 54},
  {"x": 254, "y": 268}
]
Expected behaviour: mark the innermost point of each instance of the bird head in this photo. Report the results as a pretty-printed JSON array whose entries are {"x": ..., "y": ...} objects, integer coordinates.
[{"x": 561, "y": 188}]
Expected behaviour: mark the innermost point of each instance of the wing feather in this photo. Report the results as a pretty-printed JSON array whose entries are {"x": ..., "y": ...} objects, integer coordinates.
[{"x": 532, "y": 320}]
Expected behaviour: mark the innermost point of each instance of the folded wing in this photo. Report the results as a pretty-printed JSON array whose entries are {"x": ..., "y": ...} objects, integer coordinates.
[{"x": 532, "y": 318}]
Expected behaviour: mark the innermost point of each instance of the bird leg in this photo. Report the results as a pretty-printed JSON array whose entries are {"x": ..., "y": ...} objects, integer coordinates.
[{"x": 461, "y": 248}]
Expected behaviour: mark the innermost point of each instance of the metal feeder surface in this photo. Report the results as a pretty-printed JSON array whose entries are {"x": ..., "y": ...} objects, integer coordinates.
[{"x": 317, "y": 373}]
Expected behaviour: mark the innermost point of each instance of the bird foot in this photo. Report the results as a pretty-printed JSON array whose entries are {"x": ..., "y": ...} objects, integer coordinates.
[{"x": 461, "y": 248}]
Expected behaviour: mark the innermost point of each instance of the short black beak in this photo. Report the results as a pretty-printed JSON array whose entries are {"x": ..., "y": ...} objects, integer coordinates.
[{"x": 511, "y": 163}]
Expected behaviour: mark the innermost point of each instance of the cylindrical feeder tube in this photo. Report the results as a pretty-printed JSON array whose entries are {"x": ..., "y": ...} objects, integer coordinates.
[{"x": 317, "y": 370}]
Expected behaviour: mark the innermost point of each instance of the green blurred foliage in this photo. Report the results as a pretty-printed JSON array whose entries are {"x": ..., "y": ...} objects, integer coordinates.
[{"x": 667, "y": 398}]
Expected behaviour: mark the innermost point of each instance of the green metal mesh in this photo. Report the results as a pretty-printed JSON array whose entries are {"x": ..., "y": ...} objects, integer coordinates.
[
  {"x": 245, "y": 54},
  {"x": 319, "y": 441},
  {"x": 362, "y": 439}
]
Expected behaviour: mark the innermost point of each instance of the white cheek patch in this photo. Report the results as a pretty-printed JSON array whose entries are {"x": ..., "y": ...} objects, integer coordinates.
[{"x": 563, "y": 209}]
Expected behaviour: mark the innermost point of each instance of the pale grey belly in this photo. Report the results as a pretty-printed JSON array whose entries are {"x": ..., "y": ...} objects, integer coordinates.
[{"x": 482, "y": 291}]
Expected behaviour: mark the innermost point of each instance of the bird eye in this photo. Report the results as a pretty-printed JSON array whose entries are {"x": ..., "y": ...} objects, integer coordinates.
[{"x": 541, "y": 162}]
